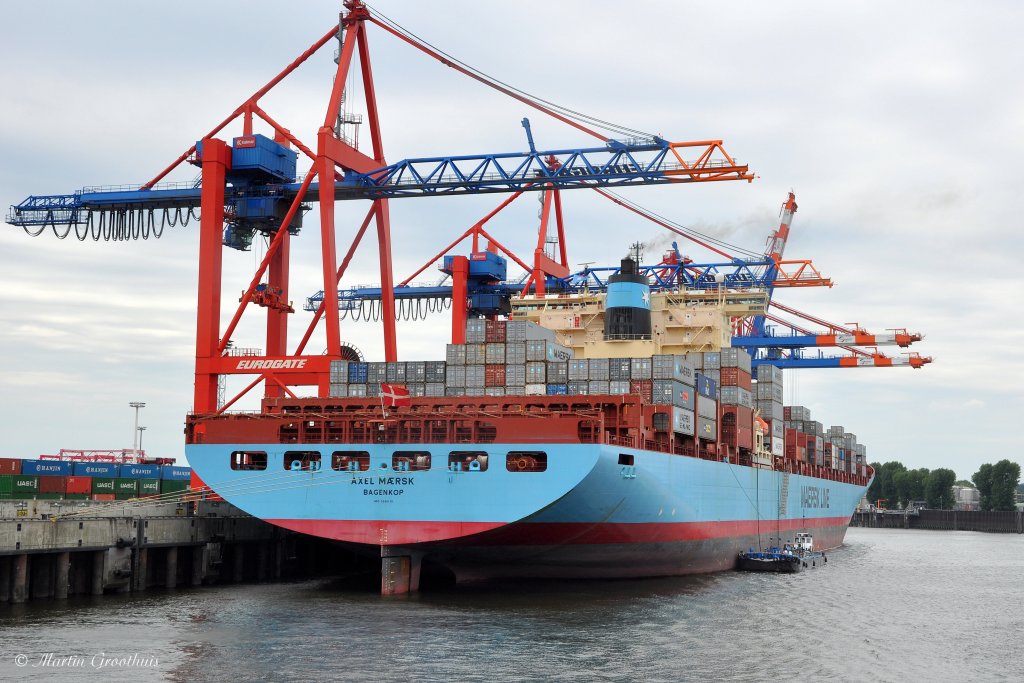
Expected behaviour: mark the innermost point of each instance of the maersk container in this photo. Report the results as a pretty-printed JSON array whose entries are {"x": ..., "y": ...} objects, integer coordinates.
[
  {"x": 618, "y": 387},
  {"x": 712, "y": 360},
  {"x": 475, "y": 391},
  {"x": 735, "y": 358},
  {"x": 778, "y": 446},
  {"x": 434, "y": 371},
  {"x": 672, "y": 392},
  {"x": 433, "y": 389},
  {"x": 598, "y": 386},
  {"x": 536, "y": 372},
  {"x": 494, "y": 330},
  {"x": 47, "y": 467},
  {"x": 735, "y": 396},
  {"x": 338, "y": 390},
  {"x": 454, "y": 391},
  {"x": 578, "y": 388},
  {"x": 557, "y": 373},
  {"x": 357, "y": 391},
  {"x": 394, "y": 372},
  {"x": 640, "y": 369},
  {"x": 524, "y": 330},
  {"x": 538, "y": 350},
  {"x": 10, "y": 466},
  {"x": 515, "y": 375},
  {"x": 175, "y": 472},
  {"x": 769, "y": 373},
  {"x": 518, "y": 390},
  {"x": 139, "y": 472},
  {"x": 456, "y": 376},
  {"x": 376, "y": 372}
]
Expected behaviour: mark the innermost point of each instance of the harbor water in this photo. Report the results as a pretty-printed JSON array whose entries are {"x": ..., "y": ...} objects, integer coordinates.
[{"x": 891, "y": 605}]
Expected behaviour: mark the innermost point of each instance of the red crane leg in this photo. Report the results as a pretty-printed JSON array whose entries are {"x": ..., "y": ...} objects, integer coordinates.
[
  {"x": 387, "y": 282},
  {"x": 327, "y": 246},
  {"x": 277, "y": 317},
  {"x": 216, "y": 162},
  {"x": 460, "y": 287}
]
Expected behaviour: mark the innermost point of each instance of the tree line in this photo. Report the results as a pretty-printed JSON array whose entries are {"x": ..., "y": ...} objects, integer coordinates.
[{"x": 897, "y": 486}]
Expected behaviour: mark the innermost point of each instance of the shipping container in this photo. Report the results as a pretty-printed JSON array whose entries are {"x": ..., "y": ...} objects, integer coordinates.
[
  {"x": 476, "y": 376},
  {"x": 456, "y": 376},
  {"x": 494, "y": 332},
  {"x": 557, "y": 372},
  {"x": 339, "y": 371},
  {"x": 712, "y": 360},
  {"x": 454, "y": 391},
  {"x": 578, "y": 388},
  {"x": 557, "y": 390},
  {"x": 139, "y": 471},
  {"x": 515, "y": 375},
  {"x": 494, "y": 376},
  {"x": 78, "y": 484},
  {"x": 476, "y": 354},
  {"x": 539, "y": 350},
  {"x": 416, "y": 372},
  {"x": 475, "y": 391},
  {"x": 494, "y": 391},
  {"x": 618, "y": 387},
  {"x": 579, "y": 370},
  {"x": 619, "y": 369},
  {"x": 338, "y": 390},
  {"x": 517, "y": 390},
  {"x": 494, "y": 353},
  {"x": 433, "y": 389},
  {"x": 126, "y": 488},
  {"x": 683, "y": 421},
  {"x": 640, "y": 369},
  {"x": 476, "y": 331},
  {"x": 376, "y": 373},
  {"x": 769, "y": 373},
  {"x": 735, "y": 358},
  {"x": 598, "y": 386},
  {"x": 707, "y": 407},
  {"x": 736, "y": 377},
  {"x": 597, "y": 369},
  {"x": 52, "y": 484},
  {"x": 434, "y": 371},
  {"x": 47, "y": 467},
  {"x": 416, "y": 389},
  {"x": 149, "y": 487},
  {"x": 515, "y": 353},
  {"x": 673, "y": 392},
  {"x": 10, "y": 466},
  {"x": 177, "y": 472},
  {"x": 706, "y": 386},
  {"x": 358, "y": 373},
  {"x": 536, "y": 372},
  {"x": 455, "y": 354},
  {"x": 357, "y": 391},
  {"x": 707, "y": 429},
  {"x": 524, "y": 330},
  {"x": 735, "y": 396},
  {"x": 103, "y": 485},
  {"x": 536, "y": 388},
  {"x": 104, "y": 496},
  {"x": 642, "y": 388}
]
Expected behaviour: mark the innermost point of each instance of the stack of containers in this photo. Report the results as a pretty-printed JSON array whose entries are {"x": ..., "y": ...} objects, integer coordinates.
[
  {"x": 619, "y": 372},
  {"x": 736, "y": 398},
  {"x": 673, "y": 383},
  {"x": 768, "y": 394},
  {"x": 339, "y": 378},
  {"x": 707, "y": 407},
  {"x": 641, "y": 375},
  {"x": 597, "y": 372},
  {"x": 68, "y": 480}
]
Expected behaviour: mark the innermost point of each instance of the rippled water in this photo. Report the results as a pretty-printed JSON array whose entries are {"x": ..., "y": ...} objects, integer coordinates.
[{"x": 892, "y": 605}]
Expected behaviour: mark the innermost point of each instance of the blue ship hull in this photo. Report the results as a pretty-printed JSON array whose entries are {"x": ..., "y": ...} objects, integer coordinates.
[{"x": 588, "y": 514}]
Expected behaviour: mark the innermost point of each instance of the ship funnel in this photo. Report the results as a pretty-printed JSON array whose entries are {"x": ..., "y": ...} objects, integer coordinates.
[{"x": 627, "y": 307}]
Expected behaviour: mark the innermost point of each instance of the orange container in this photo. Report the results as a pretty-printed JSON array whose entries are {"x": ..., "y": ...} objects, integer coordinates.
[
  {"x": 103, "y": 496},
  {"x": 78, "y": 485}
]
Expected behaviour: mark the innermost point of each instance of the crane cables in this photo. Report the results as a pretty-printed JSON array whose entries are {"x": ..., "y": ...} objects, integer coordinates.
[
  {"x": 494, "y": 82},
  {"x": 370, "y": 310},
  {"x": 116, "y": 225},
  {"x": 682, "y": 229}
]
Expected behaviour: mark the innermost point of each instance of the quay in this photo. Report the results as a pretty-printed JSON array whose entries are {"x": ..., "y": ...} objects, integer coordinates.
[
  {"x": 1008, "y": 522},
  {"x": 53, "y": 549}
]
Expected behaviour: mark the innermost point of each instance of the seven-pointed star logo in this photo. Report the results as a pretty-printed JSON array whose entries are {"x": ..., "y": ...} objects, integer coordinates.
[{"x": 646, "y": 296}]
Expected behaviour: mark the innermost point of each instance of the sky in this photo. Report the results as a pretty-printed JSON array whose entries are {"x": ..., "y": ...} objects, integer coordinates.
[{"x": 897, "y": 125}]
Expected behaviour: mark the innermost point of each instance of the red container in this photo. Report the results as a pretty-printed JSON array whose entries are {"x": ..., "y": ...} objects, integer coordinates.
[
  {"x": 791, "y": 438},
  {"x": 79, "y": 485},
  {"x": 801, "y": 440},
  {"x": 494, "y": 375},
  {"x": 642, "y": 387},
  {"x": 104, "y": 496},
  {"x": 735, "y": 377},
  {"x": 10, "y": 466},
  {"x": 786, "y": 412},
  {"x": 494, "y": 331},
  {"x": 48, "y": 484}
]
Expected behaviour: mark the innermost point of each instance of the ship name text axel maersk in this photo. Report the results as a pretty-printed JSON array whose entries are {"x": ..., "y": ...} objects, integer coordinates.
[
  {"x": 383, "y": 481},
  {"x": 814, "y": 497}
]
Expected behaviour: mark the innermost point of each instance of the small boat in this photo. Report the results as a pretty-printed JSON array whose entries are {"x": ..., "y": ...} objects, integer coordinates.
[{"x": 789, "y": 559}]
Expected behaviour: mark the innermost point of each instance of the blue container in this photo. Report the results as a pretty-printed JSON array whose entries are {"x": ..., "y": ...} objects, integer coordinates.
[
  {"x": 558, "y": 389},
  {"x": 95, "y": 469},
  {"x": 46, "y": 468},
  {"x": 706, "y": 386},
  {"x": 260, "y": 153},
  {"x": 358, "y": 373},
  {"x": 140, "y": 472},
  {"x": 176, "y": 473}
]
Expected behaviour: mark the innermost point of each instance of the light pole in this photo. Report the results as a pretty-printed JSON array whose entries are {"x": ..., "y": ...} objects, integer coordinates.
[
  {"x": 141, "y": 429},
  {"x": 135, "y": 432}
]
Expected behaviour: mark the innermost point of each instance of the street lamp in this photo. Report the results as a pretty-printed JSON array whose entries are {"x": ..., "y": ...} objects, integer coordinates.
[
  {"x": 135, "y": 432},
  {"x": 141, "y": 429}
]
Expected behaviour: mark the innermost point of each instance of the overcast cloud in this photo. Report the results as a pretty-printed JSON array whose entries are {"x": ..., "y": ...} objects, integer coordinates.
[{"x": 898, "y": 126}]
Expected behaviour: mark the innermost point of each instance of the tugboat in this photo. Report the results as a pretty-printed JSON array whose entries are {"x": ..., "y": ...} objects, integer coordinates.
[{"x": 789, "y": 559}]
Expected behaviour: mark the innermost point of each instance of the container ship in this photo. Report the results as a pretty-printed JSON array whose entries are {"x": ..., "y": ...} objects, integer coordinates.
[{"x": 609, "y": 434}]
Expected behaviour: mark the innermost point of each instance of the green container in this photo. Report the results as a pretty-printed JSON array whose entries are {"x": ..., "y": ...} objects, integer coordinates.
[
  {"x": 102, "y": 485},
  {"x": 126, "y": 488},
  {"x": 149, "y": 487},
  {"x": 6, "y": 482},
  {"x": 48, "y": 496},
  {"x": 173, "y": 486},
  {"x": 23, "y": 483}
]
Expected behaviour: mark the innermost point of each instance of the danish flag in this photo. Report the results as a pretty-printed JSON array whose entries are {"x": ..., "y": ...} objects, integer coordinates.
[{"x": 395, "y": 395}]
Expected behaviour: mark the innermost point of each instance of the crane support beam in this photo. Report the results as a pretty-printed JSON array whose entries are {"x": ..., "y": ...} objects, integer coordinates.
[
  {"x": 803, "y": 340},
  {"x": 876, "y": 361}
]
